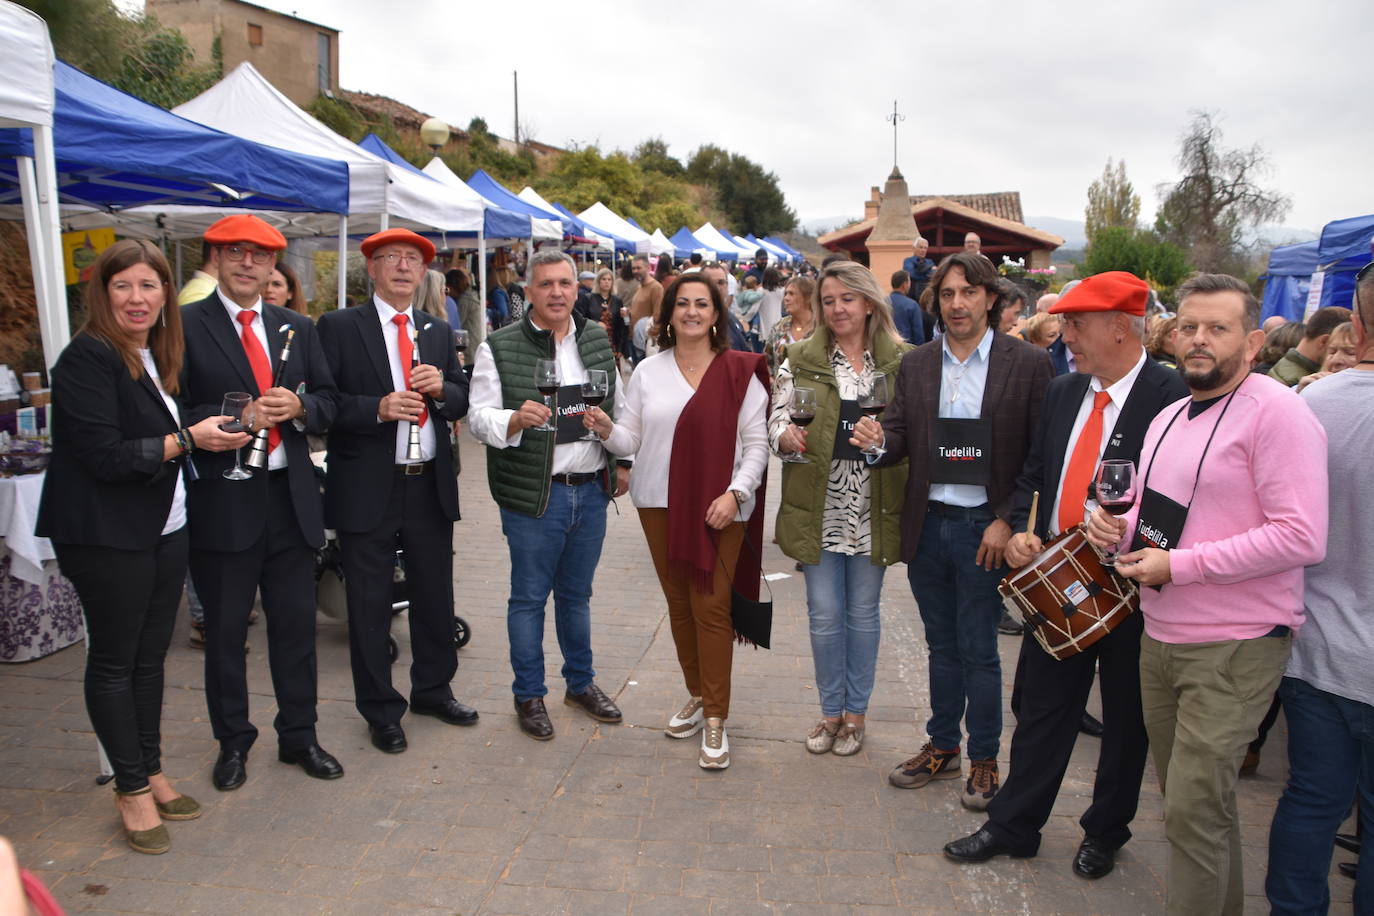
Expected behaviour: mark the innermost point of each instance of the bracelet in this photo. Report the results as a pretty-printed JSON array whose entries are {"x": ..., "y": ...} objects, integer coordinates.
[
  {"x": 189, "y": 438},
  {"x": 180, "y": 443}
]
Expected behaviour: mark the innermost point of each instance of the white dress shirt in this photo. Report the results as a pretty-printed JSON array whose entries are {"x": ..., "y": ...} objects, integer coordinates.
[
  {"x": 276, "y": 459},
  {"x": 489, "y": 419},
  {"x": 1118, "y": 392},
  {"x": 176, "y": 514},
  {"x": 961, "y": 398},
  {"x": 391, "y": 336}
]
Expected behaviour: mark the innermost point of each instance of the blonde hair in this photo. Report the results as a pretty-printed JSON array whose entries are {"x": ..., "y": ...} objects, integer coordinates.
[
  {"x": 430, "y": 297},
  {"x": 1038, "y": 329},
  {"x": 855, "y": 277}
]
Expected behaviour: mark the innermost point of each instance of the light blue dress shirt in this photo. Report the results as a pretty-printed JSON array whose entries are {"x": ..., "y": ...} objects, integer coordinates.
[{"x": 961, "y": 398}]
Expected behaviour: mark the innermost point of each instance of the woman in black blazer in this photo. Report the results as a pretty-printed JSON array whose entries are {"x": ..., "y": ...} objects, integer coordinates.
[{"x": 114, "y": 506}]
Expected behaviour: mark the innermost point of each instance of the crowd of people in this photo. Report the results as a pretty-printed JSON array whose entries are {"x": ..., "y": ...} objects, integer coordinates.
[{"x": 911, "y": 427}]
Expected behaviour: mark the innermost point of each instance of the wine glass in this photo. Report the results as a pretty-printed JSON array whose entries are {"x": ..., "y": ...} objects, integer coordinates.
[
  {"x": 233, "y": 407},
  {"x": 460, "y": 340},
  {"x": 802, "y": 410},
  {"x": 546, "y": 379},
  {"x": 594, "y": 391},
  {"x": 872, "y": 402},
  {"x": 1115, "y": 489}
]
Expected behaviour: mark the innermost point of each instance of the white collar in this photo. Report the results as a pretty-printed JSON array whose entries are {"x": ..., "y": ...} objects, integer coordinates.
[
  {"x": 1121, "y": 388},
  {"x": 234, "y": 308}
]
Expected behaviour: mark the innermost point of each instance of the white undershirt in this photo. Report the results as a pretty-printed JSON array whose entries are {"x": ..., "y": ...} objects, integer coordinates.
[
  {"x": 391, "y": 335},
  {"x": 176, "y": 515}
]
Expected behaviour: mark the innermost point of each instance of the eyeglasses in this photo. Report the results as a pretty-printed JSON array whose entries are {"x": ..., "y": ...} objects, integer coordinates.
[
  {"x": 238, "y": 253},
  {"x": 1360, "y": 278},
  {"x": 391, "y": 258}
]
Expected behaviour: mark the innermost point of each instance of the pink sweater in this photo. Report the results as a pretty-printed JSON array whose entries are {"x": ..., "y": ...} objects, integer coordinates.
[{"x": 1258, "y": 518}]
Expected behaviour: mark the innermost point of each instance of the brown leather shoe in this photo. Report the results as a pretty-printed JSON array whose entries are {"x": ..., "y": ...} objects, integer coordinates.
[
  {"x": 534, "y": 718},
  {"x": 594, "y": 703}
]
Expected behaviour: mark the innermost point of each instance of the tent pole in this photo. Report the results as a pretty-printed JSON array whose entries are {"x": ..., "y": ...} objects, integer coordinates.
[
  {"x": 342, "y": 270},
  {"x": 385, "y": 223},
  {"x": 181, "y": 278},
  {"x": 38, "y": 255},
  {"x": 482, "y": 264}
]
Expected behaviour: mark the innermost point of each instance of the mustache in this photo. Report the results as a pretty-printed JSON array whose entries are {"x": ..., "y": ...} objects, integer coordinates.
[{"x": 1207, "y": 353}]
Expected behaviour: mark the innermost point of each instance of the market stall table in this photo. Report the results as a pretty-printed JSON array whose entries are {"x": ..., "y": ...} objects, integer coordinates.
[{"x": 39, "y": 610}]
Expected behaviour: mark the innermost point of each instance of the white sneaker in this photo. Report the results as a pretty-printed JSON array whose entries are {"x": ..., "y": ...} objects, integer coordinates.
[
  {"x": 715, "y": 748},
  {"x": 688, "y": 721},
  {"x": 822, "y": 738}
]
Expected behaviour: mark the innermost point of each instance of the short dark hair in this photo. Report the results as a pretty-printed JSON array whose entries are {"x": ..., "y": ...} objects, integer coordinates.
[
  {"x": 772, "y": 278},
  {"x": 1011, "y": 294},
  {"x": 696, "y": 257},
  {"x": 761, "y": 251},
  {"x": 720, "y": 330},
  {"x": 900, "y": 278},
  {"x": 833, "y": 257},
  {"x": 1325, "y": 320},
  {"x": 1364, "y": 297},
  {"x": 1224, "y": 283},
  {"x": 458, "y": 280},
  {"x": 978, "y": 271},
  {"x": 642, "y": 257}
]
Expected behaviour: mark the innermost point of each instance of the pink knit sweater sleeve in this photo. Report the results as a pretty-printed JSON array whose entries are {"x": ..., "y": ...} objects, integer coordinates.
[{"x": 1288, "y": 467}]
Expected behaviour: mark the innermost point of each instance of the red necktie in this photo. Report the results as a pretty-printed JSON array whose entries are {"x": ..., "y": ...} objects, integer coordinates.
[
  {"x": 1081, "y": 465},
  {"x": 262, "y": 368},
  {"x": 406, "y": 349}
]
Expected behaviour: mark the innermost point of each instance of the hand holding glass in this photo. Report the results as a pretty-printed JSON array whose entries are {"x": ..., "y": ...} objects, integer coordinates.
[
  {"x": 594, "y": 391},
  {"x": 802, "y": 410},
  {"x": 235, "y": 402},
  {"x": 873, "y": 399},
  {"x": 546, "y": 379},
  {"x": 1115, "y": 489}
]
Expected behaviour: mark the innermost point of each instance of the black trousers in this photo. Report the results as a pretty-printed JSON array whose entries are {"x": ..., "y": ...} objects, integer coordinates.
[
  {"x": 130, "y": 600},
  {"x": 414, "y": 520},
  {"x": 1053, "y": 697},
  {"x": 281, "y": 565}
]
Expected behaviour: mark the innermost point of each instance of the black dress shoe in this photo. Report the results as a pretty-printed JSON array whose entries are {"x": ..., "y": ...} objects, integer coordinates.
[
  {"x": 594, "y": 703},
  {"x": 389, "y": 739},
  {"x": 534, "y": 718},
  {"x": 450, "y": 711},
  {"x": 1009, "y": 625},
  {"x": 315, "y": 760},
  {"x": 1349, "y": 869},
  {"x": 1090, "y": 726},
  {"x": 1094, "y": 859},
  {"x": 231, "y": 769},
  {"x": 1349, "y": 842},
  {"x": 981, "y": 846}
]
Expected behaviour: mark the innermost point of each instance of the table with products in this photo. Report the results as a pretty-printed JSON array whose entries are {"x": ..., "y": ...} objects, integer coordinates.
[{"x": 39, "y": 610}]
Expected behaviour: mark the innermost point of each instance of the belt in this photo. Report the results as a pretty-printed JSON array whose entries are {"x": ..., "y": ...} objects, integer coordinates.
[
  {"x": 945, "y": 510},
  {"x": 575, "y": 480},
  {"x": 415, "y": 470}
]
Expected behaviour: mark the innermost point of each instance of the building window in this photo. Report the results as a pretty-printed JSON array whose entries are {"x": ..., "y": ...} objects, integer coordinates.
[
  {"x": 324, "y": 68},
  {"x": 254, "y": 35}
]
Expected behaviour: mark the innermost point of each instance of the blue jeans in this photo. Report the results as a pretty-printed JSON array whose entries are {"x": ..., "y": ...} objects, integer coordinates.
[
  {"x": 1330, "y": 759},
  {"x": 960, "y": 608},
  {"x": 557, "y": 553},
  {"x": 842, "y": 601}
]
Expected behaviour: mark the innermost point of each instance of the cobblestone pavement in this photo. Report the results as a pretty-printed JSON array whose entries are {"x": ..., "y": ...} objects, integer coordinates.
[{"x": 603, "y": 819}]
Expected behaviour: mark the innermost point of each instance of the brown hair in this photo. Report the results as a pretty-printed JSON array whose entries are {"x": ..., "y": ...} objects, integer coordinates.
[
  {"x": 295, "y": 299},
  {"x": 806, "y": 288},
  {"x": 1223, "y": 283},
  {"x": 164, "y": 337},
  {"x": 1325, "y": 320},
  {"x": 1159, "y": 338},
  {"x": 720, "y": 330},
  {"x": 1278, "y": 342},
  {"x": 978, "y": 271}
]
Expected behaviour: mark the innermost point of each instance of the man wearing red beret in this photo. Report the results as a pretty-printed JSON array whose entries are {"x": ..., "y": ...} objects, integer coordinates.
[
  {"x": 259, "y": 534},
  {"x": 1099, "y": 412},
  {"x": 378, "y": 492}
]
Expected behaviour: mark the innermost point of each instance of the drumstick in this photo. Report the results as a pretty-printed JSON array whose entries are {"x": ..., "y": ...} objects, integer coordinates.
[{"x": 1030, "y": 522}]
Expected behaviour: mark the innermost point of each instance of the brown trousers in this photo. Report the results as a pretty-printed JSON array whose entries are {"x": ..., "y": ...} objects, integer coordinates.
[{"x": 702, "y": 631}]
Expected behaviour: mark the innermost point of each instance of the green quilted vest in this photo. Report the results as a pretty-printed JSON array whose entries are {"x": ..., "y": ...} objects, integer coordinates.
[
  {"x": 519, "y": 476},
  {"x": 804, "y": 485}
]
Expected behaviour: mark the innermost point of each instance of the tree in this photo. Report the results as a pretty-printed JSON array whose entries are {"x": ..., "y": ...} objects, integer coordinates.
[
  {"x": 744, "y": 192},
  {"x": 1139, "y": 251},
  {"x": 652, "y": 156},
  {"x": 1111, "y": 201},
  {"x": 1218, "y": 197}
]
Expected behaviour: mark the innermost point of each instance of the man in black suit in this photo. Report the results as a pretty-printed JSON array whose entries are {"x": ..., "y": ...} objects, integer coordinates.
[
  {"x": 1100, "y": 412},
  {"x": 258, "y": 534},
  {"x": 378, "y": 494}
]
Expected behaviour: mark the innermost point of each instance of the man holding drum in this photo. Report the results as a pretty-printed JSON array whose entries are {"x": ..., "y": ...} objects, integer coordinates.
[{"x": 1099, "y": 412}]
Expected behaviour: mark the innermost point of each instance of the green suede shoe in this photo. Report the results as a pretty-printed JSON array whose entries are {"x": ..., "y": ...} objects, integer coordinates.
[
  {"x": 181, "y": 808},
  {"x": 149, "y": 842}
]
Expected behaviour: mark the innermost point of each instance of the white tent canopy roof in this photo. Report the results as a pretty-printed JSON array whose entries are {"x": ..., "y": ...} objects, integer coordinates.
[
  {"x": 659, "y": 244},
  {"x": 26, "y": 95},
  {"x": 602, "y": 217},
  {"x": 710, "y": 235},
  {"x": 530, "y": 196},
  {"x": 543, "y": 229}
]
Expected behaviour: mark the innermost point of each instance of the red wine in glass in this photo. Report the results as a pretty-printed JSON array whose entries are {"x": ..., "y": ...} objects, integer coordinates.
[
  {"x": 546, "y": 380},
  {"x": 594, "y": 391},
  {"x": 801, "y": 409},
  {"x": 803, "y": 420},
  {"x": 1115, "y": 489}
]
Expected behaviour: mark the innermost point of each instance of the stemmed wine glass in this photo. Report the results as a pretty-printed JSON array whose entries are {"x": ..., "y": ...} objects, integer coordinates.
[
  {"x": 546, "y": 379},
  {"x": 1115, "y": 489},
  {"x": 460, "y": 340},
  {"x": 594, "y": 391},
  {"x": 234, "y": 404},
  {"x": 802, "y": 410},
  {"x": 872, "y": 402}
]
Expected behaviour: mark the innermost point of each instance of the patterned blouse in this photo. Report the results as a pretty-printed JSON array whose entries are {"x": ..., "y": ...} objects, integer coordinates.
[
  {"x": 845, "y": 524},
  {"x": 778, "y": 337}
]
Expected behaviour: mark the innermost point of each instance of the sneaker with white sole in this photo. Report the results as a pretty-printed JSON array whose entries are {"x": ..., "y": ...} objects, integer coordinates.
[
  {"x": 822, "y": 738},
  {"x": 715, "y": 748},
  {"x": 982, "y": 784},
  {"x": 688, "y": 721},
  {"x": 849, "y": 741}
]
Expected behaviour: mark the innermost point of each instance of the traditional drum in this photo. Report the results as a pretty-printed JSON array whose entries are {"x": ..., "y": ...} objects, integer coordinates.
[{"x": 1067, "y": 598}]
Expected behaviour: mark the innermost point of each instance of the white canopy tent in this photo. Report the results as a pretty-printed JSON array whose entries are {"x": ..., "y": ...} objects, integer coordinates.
[
  {"x": 659, "y": 244},
  {"x": 602, "y": 217},
  {"x": 530, "y": 196},
  {"x": 710, "y": 235},
  {"x": 26, "y": 100}
]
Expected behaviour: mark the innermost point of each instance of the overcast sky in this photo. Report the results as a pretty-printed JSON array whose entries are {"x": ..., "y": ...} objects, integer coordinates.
[{"x": 1027, "y": 96}]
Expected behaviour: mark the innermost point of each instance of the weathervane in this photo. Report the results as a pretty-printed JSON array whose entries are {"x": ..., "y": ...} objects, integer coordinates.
[{"x": 895, "y": 119}]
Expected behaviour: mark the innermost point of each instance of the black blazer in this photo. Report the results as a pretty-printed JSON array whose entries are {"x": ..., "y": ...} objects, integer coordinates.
[
  {"x": 1018, "y": 374},
  {"x": 107, "y": 484},
  {"x": 231, "y": 514},
  {"x": 1155, "y": 388},
  {"x": 362, "y": 451},
  {"x": 1059, "y": 355}
]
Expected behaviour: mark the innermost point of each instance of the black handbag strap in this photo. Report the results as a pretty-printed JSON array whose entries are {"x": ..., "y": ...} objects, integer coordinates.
[{"x": 762, "y": 578}]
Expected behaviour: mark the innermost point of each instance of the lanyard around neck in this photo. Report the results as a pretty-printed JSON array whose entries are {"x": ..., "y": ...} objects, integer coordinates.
[{"x": 1201, "y": 458}]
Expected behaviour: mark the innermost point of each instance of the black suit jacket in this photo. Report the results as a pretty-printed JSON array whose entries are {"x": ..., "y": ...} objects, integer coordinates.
[
  {"x": 107, "y": 484},
  {"x": 1013, "y": 397},
  {"x": 1155, "y": 388},
  {"x": 231, "y": 514},
  {"x": 362, "y": 451},
  {"x": 1059, "y": 355}
]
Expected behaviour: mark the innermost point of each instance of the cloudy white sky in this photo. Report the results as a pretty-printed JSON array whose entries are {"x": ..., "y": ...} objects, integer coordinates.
[{"x": 1028, "y": 96}]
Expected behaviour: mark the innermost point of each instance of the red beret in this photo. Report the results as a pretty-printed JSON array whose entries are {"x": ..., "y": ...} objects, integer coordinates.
[
  {"x": 398, "y": 237},
  {"x": 1112, "y": 291},
  {"x": 241, "y": 227}
]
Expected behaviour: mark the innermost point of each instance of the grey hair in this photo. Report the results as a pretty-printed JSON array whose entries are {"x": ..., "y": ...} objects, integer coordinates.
[
  {"x": 545, "y": 256},
  {"x": 1138, "y": 326}
]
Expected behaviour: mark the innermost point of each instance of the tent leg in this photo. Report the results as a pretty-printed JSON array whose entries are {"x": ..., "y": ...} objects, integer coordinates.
[
  {"x": 343, "y": 262},
  {"x": 384, "y": 223},
  {"x": 482, "y": 265},
  {"x": 181, "y": 278},
  {"x": 38, "y": 189}
]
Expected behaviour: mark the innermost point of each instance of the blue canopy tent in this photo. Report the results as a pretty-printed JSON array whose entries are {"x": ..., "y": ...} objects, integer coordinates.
[
  {"x": 684, "y": 238},
  {"x": 1345, "y": 246},
  {"x": 1293, "y": 269},
  {"x": 545, "y": 225},
  {"x": 774, "y": 240},
  {"x": 377, "y": 147},
  {"x": 1287, "y": 280},
  {"x": 623, "y": 246}
]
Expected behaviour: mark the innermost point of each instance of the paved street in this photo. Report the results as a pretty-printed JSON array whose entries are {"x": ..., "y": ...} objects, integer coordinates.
[{"x": 603, "y": 819}]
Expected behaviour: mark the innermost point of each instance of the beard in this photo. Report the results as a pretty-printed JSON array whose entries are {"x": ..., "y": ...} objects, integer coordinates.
[{"x": 1222, "y": 371}]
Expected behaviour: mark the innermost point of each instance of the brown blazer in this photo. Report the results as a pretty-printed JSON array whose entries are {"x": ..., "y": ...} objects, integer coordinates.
[{"x": 1018, "y": 374}]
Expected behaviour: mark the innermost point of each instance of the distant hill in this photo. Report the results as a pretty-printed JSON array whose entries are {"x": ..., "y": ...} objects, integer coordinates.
[
  {"x": 1070, "y": 230},
  {"x": 821, "y": 225}
]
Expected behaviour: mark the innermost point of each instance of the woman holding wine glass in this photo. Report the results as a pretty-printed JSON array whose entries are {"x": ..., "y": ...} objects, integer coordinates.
[
  {"x": 114, "y": 505},
  {"x": 839, "y": 517},
  {"x": 694, "y": 418}
]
